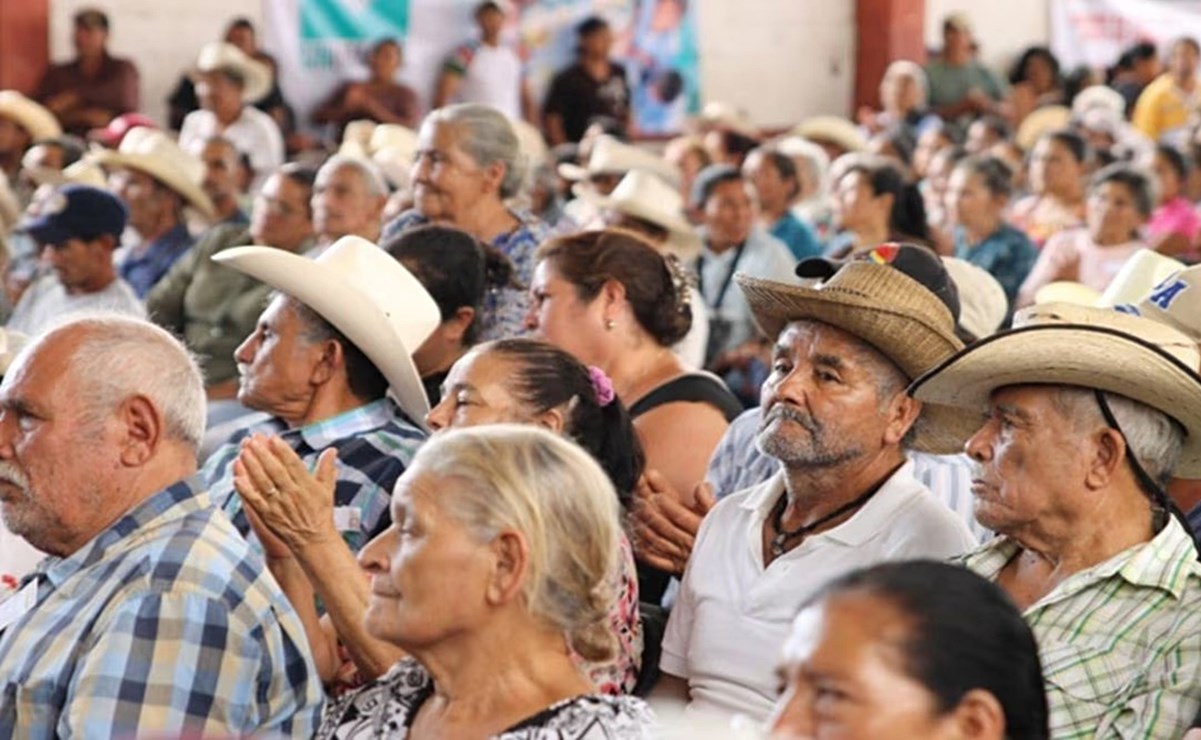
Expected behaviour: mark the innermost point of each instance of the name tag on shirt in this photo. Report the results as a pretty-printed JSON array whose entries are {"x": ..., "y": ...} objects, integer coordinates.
[
  {"x": 18, "y": 605},
  {"x": 348, "y": 518}
]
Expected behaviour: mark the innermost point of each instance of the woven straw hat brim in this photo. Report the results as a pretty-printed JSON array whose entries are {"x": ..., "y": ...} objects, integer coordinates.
[
  {"x": 161, "y": 171},
  {"x": 914, "y": 331},
  {"x": 1075, "y": 355}
]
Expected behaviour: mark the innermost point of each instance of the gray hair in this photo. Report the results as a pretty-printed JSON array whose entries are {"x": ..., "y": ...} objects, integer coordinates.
[
  {"x": 488, "y": 138},
  {"x": 368, "y": 172},
  {"x": 912, "y": 70},
  {"x": 117, "y": 357},
  {"x": 1153, "y": 438},
  {"x": 526, "y": 479}
]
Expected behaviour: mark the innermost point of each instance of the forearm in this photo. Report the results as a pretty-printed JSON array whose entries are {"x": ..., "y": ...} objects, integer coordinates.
[
  {"x": 337, "y": 579},
  {"x": 296, "y": 586}
]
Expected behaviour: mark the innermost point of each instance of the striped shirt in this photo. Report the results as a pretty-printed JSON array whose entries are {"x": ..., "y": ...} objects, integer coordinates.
[
  {"x": 165, "y": 623},
  {"x": 375, "y": 444},
  {"x": 737, "y": 464},
  {"x": 1120, "y": 642}
]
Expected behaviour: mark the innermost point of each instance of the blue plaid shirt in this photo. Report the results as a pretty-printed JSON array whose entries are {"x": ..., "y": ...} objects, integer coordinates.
[
  {"x": 738, "y": 464},
  {"x": 504, "y": 308},
  {"x": 375, "y": 444},
  {"x": 165, "y": 623},
  {"x": 144, "y": 271}
]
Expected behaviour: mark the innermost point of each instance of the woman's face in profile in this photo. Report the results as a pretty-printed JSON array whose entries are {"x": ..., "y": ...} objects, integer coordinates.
[
  {"x": 475, "y": 393},
  {"x": 844, "y": 677}
]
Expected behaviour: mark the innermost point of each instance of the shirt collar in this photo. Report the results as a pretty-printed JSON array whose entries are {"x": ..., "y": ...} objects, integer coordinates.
[
  {"x": 353, "y": 423},
  {"x": 187, "y": 494}
]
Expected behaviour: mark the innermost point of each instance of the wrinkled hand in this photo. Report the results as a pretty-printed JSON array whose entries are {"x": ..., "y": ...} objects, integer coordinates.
[
  {"x": 273, "y": 547},
  {"x": 292, "y": 503},
  {"x": 663, "y": 524}
]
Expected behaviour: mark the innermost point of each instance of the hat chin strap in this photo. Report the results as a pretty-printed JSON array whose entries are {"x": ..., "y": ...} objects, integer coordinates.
[{"x": 1162, "y": 504}]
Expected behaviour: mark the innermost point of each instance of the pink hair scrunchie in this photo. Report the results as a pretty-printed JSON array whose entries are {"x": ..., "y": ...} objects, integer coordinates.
[{"x": 602, "y": 385}]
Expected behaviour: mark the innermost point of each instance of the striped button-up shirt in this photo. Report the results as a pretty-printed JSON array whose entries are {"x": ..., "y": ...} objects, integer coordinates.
[
  {"x": 375, "y": 444},
  {"x": 164, "y": 624},
  {"x": 1120, "y": 642}
]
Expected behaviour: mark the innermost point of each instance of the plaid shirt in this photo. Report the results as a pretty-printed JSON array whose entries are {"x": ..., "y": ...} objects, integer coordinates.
[
  {"x": 165, "y": 623},
  {"x": 504, "y": 308},
  {"x": 375, "y": 444},
  {"x": 1120, "y": 642}
]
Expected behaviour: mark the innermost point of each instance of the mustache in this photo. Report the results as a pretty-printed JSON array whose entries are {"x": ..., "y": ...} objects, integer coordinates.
[
  {"x": 12, "y": 474},
  {"x": 791, "y": 413}
]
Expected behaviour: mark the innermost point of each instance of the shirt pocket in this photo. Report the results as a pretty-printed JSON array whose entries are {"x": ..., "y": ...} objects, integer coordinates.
[{"x": 1085, "y": 681}]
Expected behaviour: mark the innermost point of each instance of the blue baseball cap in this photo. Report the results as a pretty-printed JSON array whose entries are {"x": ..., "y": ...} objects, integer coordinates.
[{"x": 77, "y": 212}]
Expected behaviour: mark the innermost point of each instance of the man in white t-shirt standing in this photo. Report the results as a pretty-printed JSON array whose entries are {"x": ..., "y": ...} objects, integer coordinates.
[
  {"x": 77, "y": 228},
  {"x": 837, "y": 417},
  {"x": 486, "y": 71}
]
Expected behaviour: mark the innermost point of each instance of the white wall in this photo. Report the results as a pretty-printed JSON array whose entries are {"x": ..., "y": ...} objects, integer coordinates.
[
  {"x": 1003, "y": 28},
  {"x": 161, "y": 36}
]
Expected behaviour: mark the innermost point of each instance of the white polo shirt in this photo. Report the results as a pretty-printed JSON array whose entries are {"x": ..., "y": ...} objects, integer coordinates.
[{"x": 733, "y": 615}]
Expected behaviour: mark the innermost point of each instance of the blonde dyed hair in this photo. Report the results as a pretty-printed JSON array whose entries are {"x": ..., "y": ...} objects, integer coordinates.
[{"x": 525, "y": 479}]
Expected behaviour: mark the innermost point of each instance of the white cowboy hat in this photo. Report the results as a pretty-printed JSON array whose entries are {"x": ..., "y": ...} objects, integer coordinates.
[
  {"x": 1084, "y": 346},
  {"x": 1175, "y": 301},
  {"x": 723, "y": 115},
  {"x": 81, "y": 172},
  {"x": 642, "y": 195},
  {"x": 219, "y": 55},
  {"x": 393, "y": 148},
  {"x": 155, "y": 153},
  {"x": 1102, "y": 97},
  {"x": 531, "y": 143},
  {"x": 366, "y": 294},
  {"x": 356, "y": 139},
  {"x": 1067, "y": 291},
  {"x": 612, "y": 157},
  {"x": 833, "y": 129},
  {"x": 983, "y": 305},
  {"x": 29, "y": 115},
  {"x": 1139, "y": 274}
]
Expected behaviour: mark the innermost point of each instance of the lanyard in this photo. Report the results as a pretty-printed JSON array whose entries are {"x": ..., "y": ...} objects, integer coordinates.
[{"x": 725, "y": 284}]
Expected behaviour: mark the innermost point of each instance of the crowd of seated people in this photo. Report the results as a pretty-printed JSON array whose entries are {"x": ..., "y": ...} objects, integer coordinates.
[{"x": 495, "y": 420}]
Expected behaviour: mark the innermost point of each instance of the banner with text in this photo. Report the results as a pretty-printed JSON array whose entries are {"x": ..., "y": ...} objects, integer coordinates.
[{"x": 1096, "y": 32}]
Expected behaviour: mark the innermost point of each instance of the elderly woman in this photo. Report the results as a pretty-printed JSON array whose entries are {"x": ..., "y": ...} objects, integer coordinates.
[
  {"x": 1057, "y": 165},
  {"x": 468, "y": 165},
  {"x": 509, "y": 381},
  {"x": 1119, "y": 203},
  {"x": 613, "y": 301},
  {"x": 911, "y": 650},
  {"x": 489, "y": 646},
  {"x": 903, "y": 96}
]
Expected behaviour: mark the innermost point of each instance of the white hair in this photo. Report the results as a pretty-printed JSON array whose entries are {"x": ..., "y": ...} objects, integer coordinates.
[
  {"x": 525, "y": 479},
  {"x": 372, "y": 178},
  {"x": 1153, "y": 438},
  {"x": 912, "y": 70},
  {"x": 488, "y": 137},
  {"x": 118, "y": 356}
]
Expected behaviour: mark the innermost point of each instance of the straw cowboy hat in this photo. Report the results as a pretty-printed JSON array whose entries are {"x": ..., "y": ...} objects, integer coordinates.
[
  {"x": 1041, "y": 121},
  {"x": 722, "y": 115},
  {"x": 256, "y": 77},
  {"x": 1175, "y": 301},
  {"x": 642, "y": 195},
  {"x": 1067, "y": 291},
  {"x": 983, "y": 304},
  {"x": 366, "y": 294},
  {"x": 833, "y": 130},
  {"x": 612, "y": 157},
  {"x": 155, "y": 153},
  {"x": 82, "y": 172},
  {"x": 877, "y": 302},
  {"x": 29, "y": 115},
  {"x": 1084, "y": 346}
]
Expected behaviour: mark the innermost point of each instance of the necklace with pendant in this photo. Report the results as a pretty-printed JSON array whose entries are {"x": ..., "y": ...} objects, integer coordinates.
[{"x": 783, "y": 536}]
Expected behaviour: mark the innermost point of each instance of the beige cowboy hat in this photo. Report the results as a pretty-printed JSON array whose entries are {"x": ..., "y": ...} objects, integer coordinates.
[
  {"x": 1141, "y": 272},
  {"x": 642, "y": 195},
  {"x": 1101, "y": 97},
  {"x": 1041, "y": 121},
  {"x": 530, "y": 143},
  {"x": 612, "y": 157},
  {"x": 81, "y": 172},
  {"x": 29, "y": 115},
  {"x": 1067, "y": 291},
  {"x": 155, "y": 153},
  {"x": 390, "y": 146},
  {"x": 884, "y": 307},
  {"x": 1084, "y": 346},
  {"x": 1175, "y": 301},
  {"x": 834, "y": 130},
  {"x": 366, "y": 294},
  {"x": 983, "y": 304},
  {"x": 723, "y": 115},
  {"x": 219, "y": 55}
]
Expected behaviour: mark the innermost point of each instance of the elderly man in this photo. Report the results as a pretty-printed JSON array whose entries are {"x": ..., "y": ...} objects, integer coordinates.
[
  {"x": 1089, "y": 413},
  {"x": 151, "y": 617},
  {"x": 836, "y": 416},
  {"x": 155, "y": 179},
  {"x": 77, "y": 231},
  {"x": 214, "y": 307},
  {"x": 227, "y": 84},
  {"x": 348, "y": 200},
  {"x": 328, "y": 348},
  {"x": 93, "y": 88},
  {"x": 222, "y": 167}
]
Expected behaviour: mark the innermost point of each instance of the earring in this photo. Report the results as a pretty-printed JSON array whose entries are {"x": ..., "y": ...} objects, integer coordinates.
[{"x": 609, "y": 324}]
